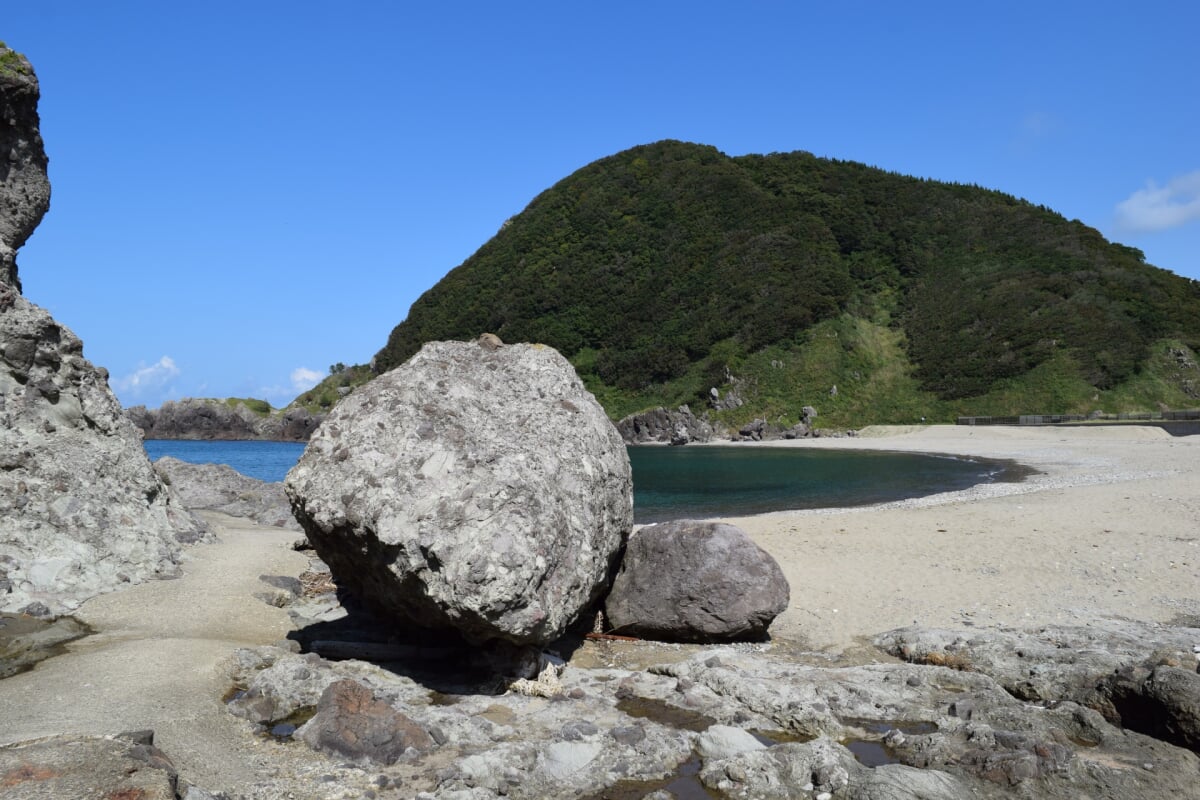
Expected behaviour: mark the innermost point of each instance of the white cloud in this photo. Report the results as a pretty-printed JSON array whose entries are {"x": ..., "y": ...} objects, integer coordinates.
[
  {"x": 1156, "y": 208},
  {"x": 148, "y": 378},
  {"x": 304, "y": 379}
]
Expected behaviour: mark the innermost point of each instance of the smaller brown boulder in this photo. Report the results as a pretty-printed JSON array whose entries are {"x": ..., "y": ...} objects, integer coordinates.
[
  {"x": 353, "y": 723},
  {"x": 689, "y": 581}
]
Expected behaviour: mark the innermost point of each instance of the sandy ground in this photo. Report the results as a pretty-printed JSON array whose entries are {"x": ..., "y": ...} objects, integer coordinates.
[
  {"x": 1110, "y": 527},
  {"x": 156, "y": 659}
]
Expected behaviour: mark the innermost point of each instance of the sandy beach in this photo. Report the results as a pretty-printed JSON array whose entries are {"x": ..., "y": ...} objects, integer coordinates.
[{"x": 1110, "y": 526}]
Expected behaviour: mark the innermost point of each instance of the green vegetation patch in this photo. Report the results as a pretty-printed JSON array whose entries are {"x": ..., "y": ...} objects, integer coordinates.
[
  {"x": 341, "y": 380},
  {"x": 260, "y": 407},
  {"x": 669, "y": 269},
  {"x": 12, "y": 62}
]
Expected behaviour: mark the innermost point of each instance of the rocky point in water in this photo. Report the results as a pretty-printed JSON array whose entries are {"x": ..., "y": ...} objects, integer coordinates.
[
  {"x": 221, "y": 488},
  {"x": 477, "y": 488},
  {"x": 81, "y": 510},
  {"x": 207, "y": 418}
]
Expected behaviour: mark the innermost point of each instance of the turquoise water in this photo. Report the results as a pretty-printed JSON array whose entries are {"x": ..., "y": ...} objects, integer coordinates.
[
  {"x": 674, "y": 482},
  {"x": 671, "y": 482}
]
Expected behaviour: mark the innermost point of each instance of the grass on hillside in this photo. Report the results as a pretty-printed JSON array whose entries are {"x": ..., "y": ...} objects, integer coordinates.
[
  {"x": 260, "y": 407},
  {"x": 323, "y": 396},
  {"x": 875, "y": 383}
]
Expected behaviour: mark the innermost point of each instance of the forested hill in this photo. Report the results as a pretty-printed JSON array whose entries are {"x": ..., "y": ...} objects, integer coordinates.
[{"x": 671, "y": 268}]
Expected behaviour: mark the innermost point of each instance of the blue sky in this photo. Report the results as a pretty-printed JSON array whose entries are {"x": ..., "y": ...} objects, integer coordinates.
[{"x": 245, "y": 193}]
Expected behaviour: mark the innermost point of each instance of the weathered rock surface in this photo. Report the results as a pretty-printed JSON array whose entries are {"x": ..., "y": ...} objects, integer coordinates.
[
  {"x": 26, "y": 640},
  {"x": 759, "y": 430},
  {"x": 677, "y": 427},
  {"x": 25, "y": 195},
  {"x": 86, "y": 766},
  {"x": 351, "y": 722},
  {"x": 219, "y": 487},
  {"x": 690, "y": 581},
  {"x": 477, "y": 488},
  {"x": 742, "y": 722},
  {"x": 1160, "y": 700},
  {"x": 1055, "y": 662},
  {"x": 206, "y": 418},
  {"x": 81, "y": 510}
]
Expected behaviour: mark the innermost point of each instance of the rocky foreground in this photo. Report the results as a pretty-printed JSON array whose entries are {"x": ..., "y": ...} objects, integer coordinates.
[{"x": 1104, "y": 711}]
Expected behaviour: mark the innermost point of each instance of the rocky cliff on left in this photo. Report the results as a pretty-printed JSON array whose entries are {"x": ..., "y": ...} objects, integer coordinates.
[{"x": 81, "y": 509}]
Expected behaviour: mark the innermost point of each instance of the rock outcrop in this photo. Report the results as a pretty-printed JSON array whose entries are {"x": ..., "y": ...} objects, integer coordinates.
[
  {"x": 477, "y": 488},
  {"x": 81, "y": 509},
  {"x": 221, "y": 488},
  {"x": 206, "y": 418},
  {"x": 759, "y": 430},
  {"x": 688, "y": 581},
  {"x": 729, "y": 721},
  {"x": 25, "y": 195},
  {"x": 125, "y": 767},
  {"x": 676, "y": 427}
]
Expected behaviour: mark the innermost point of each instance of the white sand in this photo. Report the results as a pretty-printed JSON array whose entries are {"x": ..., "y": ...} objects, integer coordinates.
[{"x": 1110, "y": 528}]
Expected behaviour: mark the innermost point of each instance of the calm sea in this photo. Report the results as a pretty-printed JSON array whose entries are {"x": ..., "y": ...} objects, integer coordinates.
[
  {"x": 674, "y": 482},
  {"x": 267, "y": 461}
]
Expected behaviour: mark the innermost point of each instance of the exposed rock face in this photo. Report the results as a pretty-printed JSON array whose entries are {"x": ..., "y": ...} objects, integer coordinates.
[
  {"x": 219, "y": 487},
  {"x": 934, "y": 733},
  {"x": 352, "y": 722},
  {"x": 477, "y": 488},
  {"x": 663, "y": 425},
  {"x": 205, "y": 418},
  {"x": 688, "y": 581},
  {"x": 759, "y": 430},
  {"x": 25, "y": 195},
  {"x": 66, "y": 766},
  {"x": 81, "y": 510},
  {"x": 1055, "y": 662}
]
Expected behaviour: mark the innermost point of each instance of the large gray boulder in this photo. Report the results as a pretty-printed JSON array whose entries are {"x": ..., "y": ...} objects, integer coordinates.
[
  {"x": 81, "y": 510},
  {"x": 477, "y": 488},
  {"x": 689, "y": 581}
]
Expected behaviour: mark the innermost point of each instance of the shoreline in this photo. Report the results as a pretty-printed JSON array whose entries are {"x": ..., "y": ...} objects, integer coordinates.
[{"x": 1108, "y": 527}]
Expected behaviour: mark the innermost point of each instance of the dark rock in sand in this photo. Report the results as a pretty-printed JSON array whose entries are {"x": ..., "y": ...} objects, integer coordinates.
[
  {"x": 688, "y": 581},
  {"x": 221, "y": 488},
  {"x": 26, "y": 640},
  {"x": 759, "y": 430},
  {"x": 477, "y": 488},
  {"x": 351, "y": 722}
]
